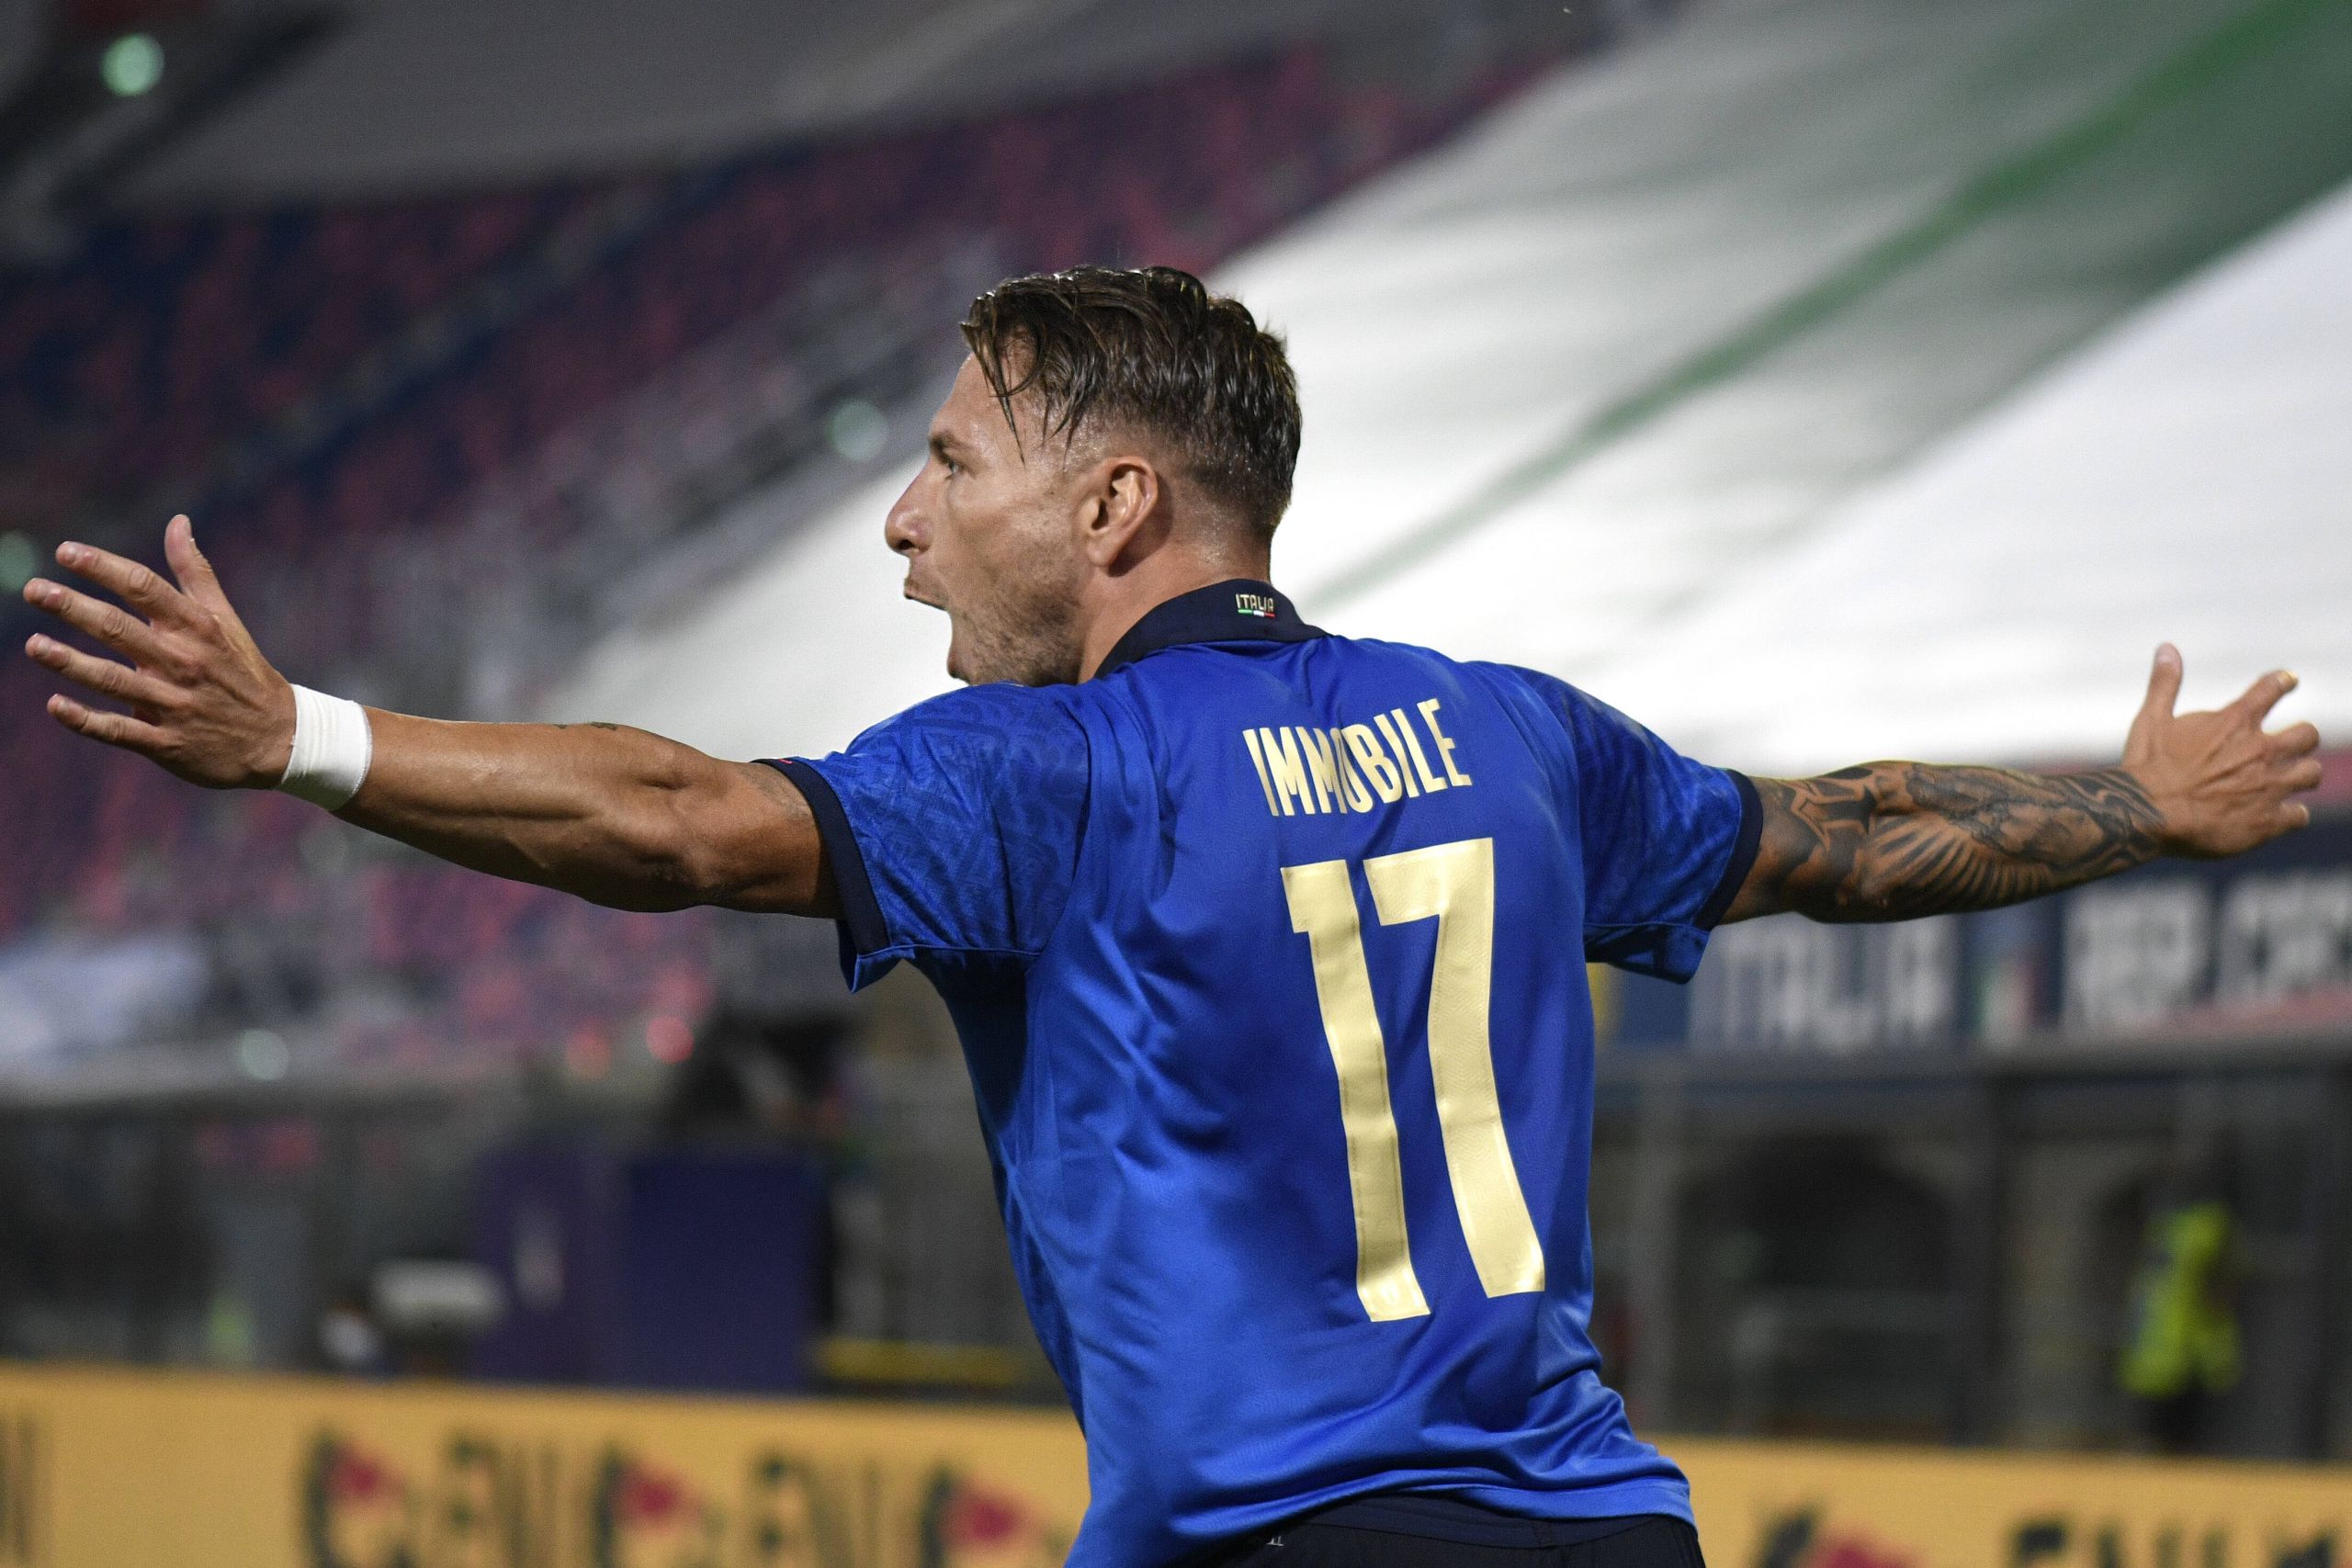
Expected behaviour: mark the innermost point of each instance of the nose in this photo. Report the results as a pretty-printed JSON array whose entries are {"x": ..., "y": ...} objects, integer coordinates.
[{"x": 904, "y": 530}]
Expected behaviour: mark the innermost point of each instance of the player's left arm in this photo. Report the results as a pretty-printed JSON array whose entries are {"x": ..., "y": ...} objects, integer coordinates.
[{"x": 1891, "y": 840}]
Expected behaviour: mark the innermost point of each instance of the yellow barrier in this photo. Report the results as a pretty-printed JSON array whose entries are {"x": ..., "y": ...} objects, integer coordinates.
[
  {"x": 1807, "y": 1506},
  {"x": 118, "y": 1470},
  {"x": 121, "y": 1470}
]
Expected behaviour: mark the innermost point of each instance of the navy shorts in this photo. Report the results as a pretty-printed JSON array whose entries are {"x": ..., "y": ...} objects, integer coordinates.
[{"x": 1645, "y": 1541}]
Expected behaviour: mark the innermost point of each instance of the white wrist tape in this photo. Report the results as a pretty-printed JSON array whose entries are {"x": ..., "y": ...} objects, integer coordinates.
[{"x": 332, "y": 747}]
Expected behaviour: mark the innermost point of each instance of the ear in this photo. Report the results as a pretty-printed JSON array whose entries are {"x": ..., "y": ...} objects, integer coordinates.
[{"x": 1121, "y": 514}]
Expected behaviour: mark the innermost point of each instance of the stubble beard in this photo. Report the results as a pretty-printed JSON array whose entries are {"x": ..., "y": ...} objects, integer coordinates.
[{"x": 1027, "y": 634}]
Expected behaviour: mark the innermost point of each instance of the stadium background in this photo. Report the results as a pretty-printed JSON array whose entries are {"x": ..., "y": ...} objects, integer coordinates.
[{"x": 1816, "y": 379}]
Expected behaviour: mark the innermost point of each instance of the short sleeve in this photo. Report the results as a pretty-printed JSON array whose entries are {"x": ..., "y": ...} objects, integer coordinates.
[
  {"x": 1666, "y": 841},
  {"x": 952, "y": 829}
]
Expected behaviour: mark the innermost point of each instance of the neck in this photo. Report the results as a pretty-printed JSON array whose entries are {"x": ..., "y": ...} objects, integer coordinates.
[{"x": 1116, "y": 604}]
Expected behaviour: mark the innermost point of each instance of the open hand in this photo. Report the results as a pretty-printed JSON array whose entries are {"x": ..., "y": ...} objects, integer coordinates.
[
  {"x": 2220, "y": 781},
  {"x": 203, "y": 701}
]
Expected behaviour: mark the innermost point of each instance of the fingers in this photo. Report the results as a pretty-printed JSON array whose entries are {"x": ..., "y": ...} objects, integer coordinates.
[
  {"x": 2263, "y": 695},
  {"x": 114, "y": 728},
  {"x": 2300, "y": 777},
  {"x": 195, "y": 573},
  {"x": 135, "y": 584},
  {"x": 103, "y": 676},
  {"x": 2295, "y": 740},
  {"x": 2163, "y": 683},
  {"x": 110, "y": 624}
]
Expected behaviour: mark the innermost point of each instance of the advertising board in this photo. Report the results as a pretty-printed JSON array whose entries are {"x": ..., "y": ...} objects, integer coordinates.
[
  {"x": 2257, "y": 946},
  {"x": 119, "y": 1469}
]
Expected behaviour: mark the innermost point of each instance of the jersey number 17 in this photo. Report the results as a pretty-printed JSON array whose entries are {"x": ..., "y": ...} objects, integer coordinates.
[{"x": 1454, "y": 885}]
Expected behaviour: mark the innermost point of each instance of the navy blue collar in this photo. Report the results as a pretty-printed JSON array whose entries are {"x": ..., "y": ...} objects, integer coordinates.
[{"x": 1240, "y": 609}]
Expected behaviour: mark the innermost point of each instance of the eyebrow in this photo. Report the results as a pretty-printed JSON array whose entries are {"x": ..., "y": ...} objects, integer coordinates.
[{"x": 942, "y": 442}]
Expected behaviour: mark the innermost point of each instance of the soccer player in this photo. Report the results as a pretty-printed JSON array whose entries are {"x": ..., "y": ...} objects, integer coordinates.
[{"x": 1267, "y": 946}]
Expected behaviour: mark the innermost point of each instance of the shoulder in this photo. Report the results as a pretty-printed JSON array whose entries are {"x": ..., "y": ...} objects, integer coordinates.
[
  {"x": 995, "y": 764},
  {"x": 1507, "y": 680},
  {"x": 994, "y": 717},
  {"x": 1537, "y": 686},
  {"x": 998, "y": 749},
  {"x": 1511, "y": 679},
  {"x": 1584, "y": 716}
]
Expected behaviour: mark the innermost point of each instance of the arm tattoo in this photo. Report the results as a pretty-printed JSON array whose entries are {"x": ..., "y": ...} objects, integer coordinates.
[{"x": 1890, "y": 840}]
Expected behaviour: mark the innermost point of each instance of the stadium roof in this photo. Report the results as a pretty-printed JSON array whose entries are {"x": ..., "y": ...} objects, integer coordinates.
[
  {"x": 423, "y": 94},
  {"x": 1775, "y": 425},
  {"x": 2186, "y": 479}
]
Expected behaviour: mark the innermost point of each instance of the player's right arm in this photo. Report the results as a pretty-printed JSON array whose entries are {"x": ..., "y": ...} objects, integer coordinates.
[
  {"x": 615, "y": 814},
  {"x": 1892, "y": 841}
]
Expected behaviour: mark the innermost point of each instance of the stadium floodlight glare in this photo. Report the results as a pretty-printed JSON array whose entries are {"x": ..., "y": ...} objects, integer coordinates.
[
  {"x": 263, "y": 1055},
  {"x": 669, "y": 1039},
  {"x": 133, "y": 65},
  {"x": 18, "y": 561},
  {"x": 858, "y": 430}
]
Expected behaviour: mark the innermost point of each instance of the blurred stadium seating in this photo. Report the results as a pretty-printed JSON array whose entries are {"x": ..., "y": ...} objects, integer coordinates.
[{"x": 436, "y": 443}]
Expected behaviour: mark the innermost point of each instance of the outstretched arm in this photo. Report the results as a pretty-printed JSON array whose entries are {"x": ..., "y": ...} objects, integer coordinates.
[
  {"x": 615, "y": 814},
  {"x": 1891, "y": 840}
]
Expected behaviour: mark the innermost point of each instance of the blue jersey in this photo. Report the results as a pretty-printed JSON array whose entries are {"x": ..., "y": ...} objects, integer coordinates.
[{"x": 1267, "y": 950}]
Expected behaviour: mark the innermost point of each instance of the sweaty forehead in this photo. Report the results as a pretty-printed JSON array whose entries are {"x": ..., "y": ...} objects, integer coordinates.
[
  {"x": 968, "y": 404},
  {"x": 971, "y": 417}
]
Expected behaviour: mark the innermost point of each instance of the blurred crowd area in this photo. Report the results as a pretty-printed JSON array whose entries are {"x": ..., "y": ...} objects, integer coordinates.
[{"x": 436, "y": 446}]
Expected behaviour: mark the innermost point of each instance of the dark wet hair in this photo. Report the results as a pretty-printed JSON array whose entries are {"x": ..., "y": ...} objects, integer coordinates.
[{"x": 1152, "y": 348}]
